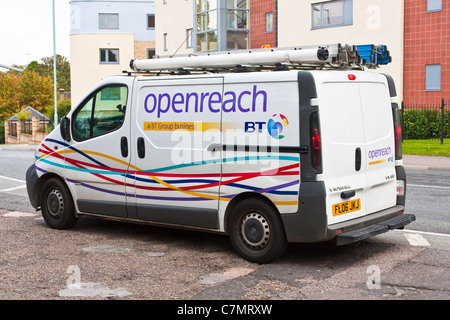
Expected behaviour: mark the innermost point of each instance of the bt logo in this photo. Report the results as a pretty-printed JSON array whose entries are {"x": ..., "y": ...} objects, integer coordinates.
[{"x": 275, "y": 126}]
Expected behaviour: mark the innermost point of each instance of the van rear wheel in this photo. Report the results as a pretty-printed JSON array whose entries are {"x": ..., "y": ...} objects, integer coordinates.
[
  {"x": 57, "y": 205},
  {"x": 256, "y": 231}
]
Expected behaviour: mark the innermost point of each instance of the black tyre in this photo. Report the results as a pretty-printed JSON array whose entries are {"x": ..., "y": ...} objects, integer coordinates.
[
  {"x": 256, "y": 231},
  {"x": 57, "y": 205}
]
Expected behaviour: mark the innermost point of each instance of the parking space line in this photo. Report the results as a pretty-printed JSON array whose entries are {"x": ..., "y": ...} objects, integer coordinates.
[
  {"x": 416, "y": 239},
  {"x": 425, "y": 232},
  {"x": 15, "y": 188},
  {"x": 12, "y": 179},
  {"x": 427, "y": 186}
]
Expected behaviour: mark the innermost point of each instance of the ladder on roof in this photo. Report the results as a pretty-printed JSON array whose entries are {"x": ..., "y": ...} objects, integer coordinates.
[{"x": 309, "y": 57}]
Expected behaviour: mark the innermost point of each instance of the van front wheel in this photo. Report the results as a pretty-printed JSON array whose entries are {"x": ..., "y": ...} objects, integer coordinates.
[
  {"x": 256, "y": 231},
  {"x": 57, "y": 205}
]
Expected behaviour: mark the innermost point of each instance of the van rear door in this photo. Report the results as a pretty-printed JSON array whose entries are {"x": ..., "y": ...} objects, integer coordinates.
[{"x": 357, "y": 143}]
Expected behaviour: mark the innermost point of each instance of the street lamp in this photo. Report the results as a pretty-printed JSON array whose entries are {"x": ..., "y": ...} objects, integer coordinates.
[{"x": 54, "y": 67}]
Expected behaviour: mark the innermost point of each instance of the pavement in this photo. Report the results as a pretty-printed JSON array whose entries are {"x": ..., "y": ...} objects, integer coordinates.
[
  {"x": 426, "y": 163},
  {"x": 410, "y": 162}
]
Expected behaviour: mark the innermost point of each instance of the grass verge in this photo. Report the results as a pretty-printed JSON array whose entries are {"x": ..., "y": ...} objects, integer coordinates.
[{"x": 427, "y": 147}]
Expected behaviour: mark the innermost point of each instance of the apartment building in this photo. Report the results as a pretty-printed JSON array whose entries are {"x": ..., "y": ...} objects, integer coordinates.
[
  {"x": 426, "y": 47},
  {"x": 218, "y": 25},
  {"x": 105, "y": 36}
]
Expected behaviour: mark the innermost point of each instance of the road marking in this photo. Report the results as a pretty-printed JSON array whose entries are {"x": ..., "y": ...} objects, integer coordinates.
[
  {"x": 426, "y": 186},
  {"x": 215, "y": 278},
  {"x": 18, "y": 214},
  {"x": 416, "y": 240},
  {"x": 92, "y": 290},
  {"x": 425, "y": 232},
  {"x": 107, "y": 249},
  {"x": 12, "y": 179},
  {"x": 15, "y": 188}
]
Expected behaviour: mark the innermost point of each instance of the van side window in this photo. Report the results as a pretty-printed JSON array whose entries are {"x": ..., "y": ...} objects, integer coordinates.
[{"x": 102, "y": 113}]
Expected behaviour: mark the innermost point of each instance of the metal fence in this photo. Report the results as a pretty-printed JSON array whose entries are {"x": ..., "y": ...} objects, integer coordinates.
[
  {"x": 12, "y": 129},
  {"x": 27, "y": 127},
  {"x": 45, "y": 126},
  {"x": 426, "y": 121}
]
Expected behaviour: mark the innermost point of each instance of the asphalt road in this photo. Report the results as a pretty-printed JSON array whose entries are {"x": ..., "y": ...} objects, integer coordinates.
[{"x": 100, "y": 259}]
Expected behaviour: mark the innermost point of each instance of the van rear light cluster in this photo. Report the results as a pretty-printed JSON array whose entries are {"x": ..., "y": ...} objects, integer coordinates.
[
  {"x": 398, "y": 138},
  {"x": 397, "y": 133},
  {"x": 317, "y": 159},
  {"x": 400, "y": 188},
  {"x": 316, "y": 143}
]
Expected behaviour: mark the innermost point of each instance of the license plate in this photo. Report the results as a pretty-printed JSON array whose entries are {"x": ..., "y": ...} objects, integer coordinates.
[{"x": 346, "y": 207}]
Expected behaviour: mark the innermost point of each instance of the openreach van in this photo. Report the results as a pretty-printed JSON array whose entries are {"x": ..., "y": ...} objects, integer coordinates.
[{"x": 269, "y": 147}]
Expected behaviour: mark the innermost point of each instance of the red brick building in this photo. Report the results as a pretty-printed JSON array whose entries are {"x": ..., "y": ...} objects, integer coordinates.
[
  {"x": 426, "y": 51},
  {"x": 263, "y": 23},
  {"x": 426, "y": 72}
]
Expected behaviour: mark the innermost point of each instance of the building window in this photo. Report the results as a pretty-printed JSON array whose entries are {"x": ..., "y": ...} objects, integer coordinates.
[
  {"x": 189, "y": 43},
  {"x": 165, "y": 42},
  {"x": 433, "y": 77},
  {"x": 108, "y": 21},
  {"x": 237, "y": 27},
  {"x": 332, "y": 14},
  {"x": 109, "y": 56},
  {"x": 151, "y": 21},
  {"x": 269, "y": 22},
  {"x": 221, "y": 25},
  {"x": 151, "y": 53},
  {"x": 434, "y": 5},
  {"x": 206, "y": 16}
]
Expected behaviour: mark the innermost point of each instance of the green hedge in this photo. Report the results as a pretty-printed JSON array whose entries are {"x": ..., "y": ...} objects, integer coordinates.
[{"x": 425, "y": 124}]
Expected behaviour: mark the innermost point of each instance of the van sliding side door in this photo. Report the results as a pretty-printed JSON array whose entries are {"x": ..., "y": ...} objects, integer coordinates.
[{"x": 176, "y": 177}]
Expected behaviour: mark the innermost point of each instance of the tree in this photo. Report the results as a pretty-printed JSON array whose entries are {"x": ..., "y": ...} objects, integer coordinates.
[
  {"x": 24, "y": 115},
  {"x": 45, "y": 69},
  {"x": 22, "y": 90},
  {"x": 9, "y": 99}
]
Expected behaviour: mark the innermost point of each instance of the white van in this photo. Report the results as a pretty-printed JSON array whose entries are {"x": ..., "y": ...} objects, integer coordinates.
[{"x": 265, "y": 157}]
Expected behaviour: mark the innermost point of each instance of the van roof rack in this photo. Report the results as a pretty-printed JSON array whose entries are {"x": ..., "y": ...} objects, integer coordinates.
[{"x": 332, "y": 56}]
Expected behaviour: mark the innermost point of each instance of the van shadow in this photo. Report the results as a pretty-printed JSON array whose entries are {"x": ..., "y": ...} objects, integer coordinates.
[{"x": 317, "y": 254}]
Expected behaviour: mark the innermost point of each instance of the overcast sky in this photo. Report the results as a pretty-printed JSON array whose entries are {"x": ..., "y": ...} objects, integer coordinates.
[{"x": 26, "y": 30}]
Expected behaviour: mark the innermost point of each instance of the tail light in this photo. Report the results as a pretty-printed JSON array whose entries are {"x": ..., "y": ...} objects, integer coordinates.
[
  {"x": 398, "y": 134},
  {"x": 316, "y": 143},
  {"x": 400, "y": 188},
  {"x": 317, "y": 159},
  {"x": 398, "y": 139}
]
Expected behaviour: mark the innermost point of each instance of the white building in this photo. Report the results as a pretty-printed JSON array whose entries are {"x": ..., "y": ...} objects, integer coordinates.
[
  {"x": 217, "y": 25},
  {"x": 105, "y": 36},
  {"x": 312, "y": 22}
]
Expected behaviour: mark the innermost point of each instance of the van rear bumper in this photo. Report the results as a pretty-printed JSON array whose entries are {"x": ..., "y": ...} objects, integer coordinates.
[
  {"x": 359, "y": 230},
  {"x": 310, "y": 223},
  {"x": 309, "y": 230}
]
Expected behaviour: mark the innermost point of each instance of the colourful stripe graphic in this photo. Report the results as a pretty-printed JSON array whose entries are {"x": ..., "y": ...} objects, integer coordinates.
[{"x": 165, "y": 181}]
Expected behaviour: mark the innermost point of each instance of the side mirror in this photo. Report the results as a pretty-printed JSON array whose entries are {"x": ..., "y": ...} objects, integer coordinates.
[{"x": 64, "y": 127}]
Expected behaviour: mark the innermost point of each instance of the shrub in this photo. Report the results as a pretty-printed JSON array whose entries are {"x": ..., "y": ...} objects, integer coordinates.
[{"x": 425, "y": 124}]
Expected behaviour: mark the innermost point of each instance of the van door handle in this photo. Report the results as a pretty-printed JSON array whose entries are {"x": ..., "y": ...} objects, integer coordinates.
[
  {"x": 124, "y": 146},
  {"x": 141, "y": 147},
  {"x": 348, "y": 194},
  {"x": 214, "y": 147},
  {"x": 358, "y": 159}
]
